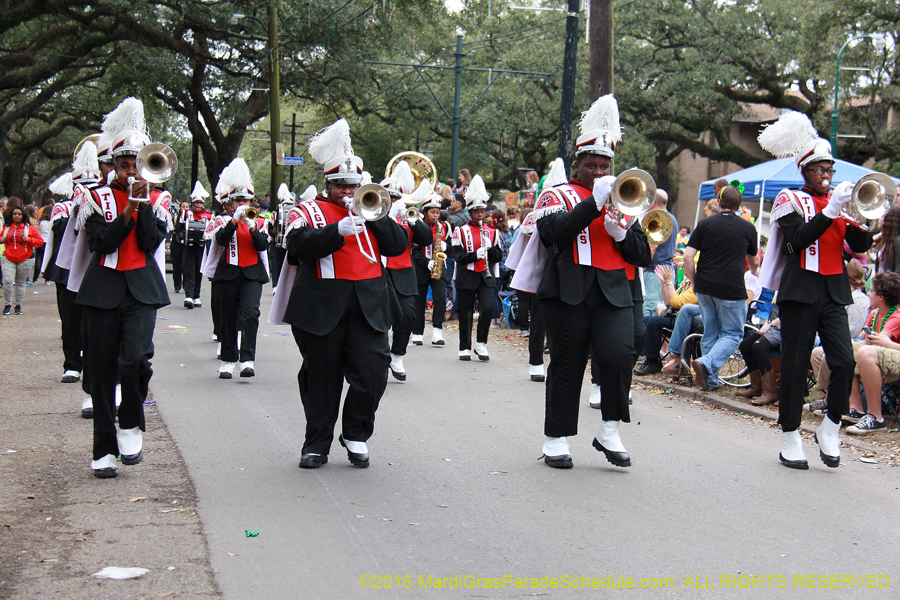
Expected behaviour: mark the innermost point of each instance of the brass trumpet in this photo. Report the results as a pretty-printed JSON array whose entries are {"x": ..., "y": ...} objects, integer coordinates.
[
  {"x": 658, "y": 226},
  {"x": 412, "y": 215},
  {"x": 251, "y": 214}
]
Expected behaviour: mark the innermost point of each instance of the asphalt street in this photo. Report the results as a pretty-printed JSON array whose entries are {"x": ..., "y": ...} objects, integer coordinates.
[{"x": 457, "y": 504}]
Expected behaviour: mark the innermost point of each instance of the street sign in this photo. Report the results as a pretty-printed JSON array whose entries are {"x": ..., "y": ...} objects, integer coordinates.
[{"x": 293, "y": 160}]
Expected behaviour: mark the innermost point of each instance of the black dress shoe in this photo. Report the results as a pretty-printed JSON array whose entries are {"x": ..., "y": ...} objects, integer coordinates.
[
  {"x": 312, "y": 461},
  {"x": 132, "y": 459},
  {"x": 830, "y": 461},
  {"x": 70, "y": 379},
  {"x": 105, "y": 473},
  {"x": 87, "y": 413},
  {"x": 619, "y": 459},
  {"x": 537, "y": 378},
  {"x": 437, "y": 343},
  {"x": 793, "y": 464},
  {"x": 649, "y": 368},
  {"x": 465, "y": 358},
  {"x": 356, "y": 459},
  {"x": 398, "y": 375},
  {"x": 483, "y": 357},
  {"x": 563, "y": 461}
]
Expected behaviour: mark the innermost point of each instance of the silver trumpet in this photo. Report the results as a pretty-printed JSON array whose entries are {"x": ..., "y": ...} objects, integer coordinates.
[
  {"x": 371, "y": 202},
  {"x": 632, "y": 195},
  {"x": 155, "y": 163},
  {"x": 872, "y": 196},
  {"x": 484, "y": 244}
]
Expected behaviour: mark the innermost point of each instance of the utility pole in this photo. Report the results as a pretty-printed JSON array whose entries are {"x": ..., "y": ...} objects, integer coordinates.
[
  {"x": 567, "y": 104},
  {"x": 456, "y": 118},
  {"x": 293, "y": 140},
  {"x": 601, "y": 50},
  {"x": 274, "y": 103}
]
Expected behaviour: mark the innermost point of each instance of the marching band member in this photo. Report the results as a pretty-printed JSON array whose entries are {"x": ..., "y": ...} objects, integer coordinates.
[
  {"x": 400, "y": 270},
  {"x": 276, "y": 231},
  {"x": 476, "y": 272},
  {"x": 430, "y": 272},
  {"x": 241, "y": 272},
  {"x": 340, "y": 305},
  {"x": 192, "y": 227},
  {"x": 586, "y": 291},
  {"x": 813, "y": 288},
  {"x": 211, "y": 254},
  {"x": 121, "y": 291}
]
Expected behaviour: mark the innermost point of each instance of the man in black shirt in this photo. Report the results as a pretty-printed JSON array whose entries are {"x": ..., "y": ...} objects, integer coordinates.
[{"x": 724, "y": 240}]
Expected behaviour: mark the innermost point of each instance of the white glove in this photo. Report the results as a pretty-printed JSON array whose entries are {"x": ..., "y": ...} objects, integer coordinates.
[
  {"x": 443, "y": 246},
  {"x": 351, "y": 225},
  {"x": 398, "y": 208},
  {"x": 840, "y": 196},
  {"x": 614, "y": 229},
  {"x": 602, "y": 189},
  {"x": 251, "y": 225},
  {"x": 239, "y": 211},
  {"x": 481, "y": 253},
  {"x": 431, "y": 265}
]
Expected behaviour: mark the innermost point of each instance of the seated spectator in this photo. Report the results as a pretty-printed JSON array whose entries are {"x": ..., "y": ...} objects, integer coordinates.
[
  {"x": 688, "y": 318},
  {"x": 764, "y": 370},
  {"x": 856, "y": 317},
  {"x": 878, "y": 359},
  {"x": 675, "y": 299}
]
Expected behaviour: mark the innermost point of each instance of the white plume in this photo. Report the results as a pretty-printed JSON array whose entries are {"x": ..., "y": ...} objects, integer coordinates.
[
  {"x": 366, "y": 178},
  {"x": 199, "y": 192},
  {"x": 284, "y": 193},
  {"x": 787, "y": 135},
  {"x": 603, "y": 114},
  {"x": 477, "y": 191},
  {"x": 422, "y": 193},
  {"x": 86, "y": 161},
  {"x": 403, "y": 177},
  {"x": 127, "y": 116},
  {"x": 557, "y": 174},
  {"x": 234, "y": 176},
  {"x": 331, "y": 142},
  {"x": 62, "y": 185},
  {"x": 309, "y": 194}
]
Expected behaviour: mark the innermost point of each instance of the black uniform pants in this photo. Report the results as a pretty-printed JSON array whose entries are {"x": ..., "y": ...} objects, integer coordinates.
[
  {"x": 238, "y": 301},
  {"x": 277, "y": 253},
  {"x": 192, "y": 258},
  {"x": 177, "y": 251},
  {"x": 215, "y": 307},
  {"x": 466, "y": 306},
  {"x": 402, "y": 326},
  {"x": 354, "y": 351},
  {"x": 439, "y": 304},
  {"x": 118, "y": 345},
  {"x": 70, "y": 317},
  {"x": 608, "y": 331},
  {"x": 799, "y": 323}
]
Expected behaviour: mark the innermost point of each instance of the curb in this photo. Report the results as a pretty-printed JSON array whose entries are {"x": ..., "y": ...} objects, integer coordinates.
[{"x": 745, "y": 407}]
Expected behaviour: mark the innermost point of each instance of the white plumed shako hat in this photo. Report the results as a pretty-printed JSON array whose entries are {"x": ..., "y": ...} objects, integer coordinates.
[
  {"x": 309, "y": 193},
  {"x": 199, "y": 194},
  {"x": 86, "y": 168},
  {"x": 402, "y": 181},
  {"x": 600, "y": 129},
  {"x": 235, "y": 182},
  {"x": 793, "y": 134},
  {"x": 127, "y": 128},
  {"x": 477, "y": 195},
  {"x": 332, "y": 149}
]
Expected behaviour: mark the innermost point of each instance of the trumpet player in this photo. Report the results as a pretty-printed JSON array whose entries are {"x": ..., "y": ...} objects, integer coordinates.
[
  {"x": 340, "y": 306},
  {"x": 241, "y": 272},
  {"x": 429, "y": 261},
  {"x": 586, "y": 292},
  {"x": 121, "y": 291},
  {"x": 813, "y": 288},
  {"x": 399, "y": 269},
  {"x": 476, "y": 272}
]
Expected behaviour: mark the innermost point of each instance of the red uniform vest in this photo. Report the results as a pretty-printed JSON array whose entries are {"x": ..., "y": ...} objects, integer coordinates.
[
  {"x": 468, "y": 237},
  {"x": 445, "y": 229},
  {"x": 241, "y": 251},
  {"x": 128, "y": 256},
  {"x": 825, "y": 255},
  {"x": 348, "y": 262},
  {"x": 593, "y": 247},
  {"x": 404, "y": 261}
]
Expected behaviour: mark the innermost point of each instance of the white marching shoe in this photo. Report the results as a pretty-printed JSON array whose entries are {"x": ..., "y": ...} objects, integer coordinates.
[
  {"x": 607, "y": 441},
  {"x": 197, "y": 303},
  {"x": 829, "y": 442},
  {"x": 104, "y": 468},
  {"x": 556, "y": 452},
  {"x": 481, "y": 351},
  {"x": 246, "y": 368},
  {"x": 188, "y": 303},
  {"x": 465, "y": 355},
  {"x": 417, "y": 340},
  {"x": 87, "y": 407},
  {"x": 219, "y": 350},
  {"x": 130, "y": 445},
  {"x": 225, "y": 370},
  {"x": 792, "y": 455},
  {"x": 595, "y": 396},
  {"x": 536, "y": 372},
  {"x": 437, "y": 337},
  {"x": 71, "y": 376},
  {"x": 397, "y": 369}
]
